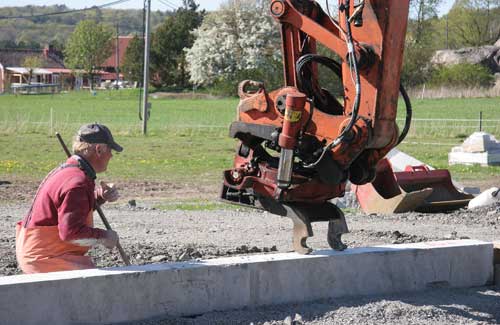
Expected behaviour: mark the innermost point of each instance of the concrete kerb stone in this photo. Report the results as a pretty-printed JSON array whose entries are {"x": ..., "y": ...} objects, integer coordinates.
[
  {"x": 496, "y": 262},
  {"x": 496, "y": 252},
  {"x": 196, "y": 287},
  {"x": 497, "y": 275}
]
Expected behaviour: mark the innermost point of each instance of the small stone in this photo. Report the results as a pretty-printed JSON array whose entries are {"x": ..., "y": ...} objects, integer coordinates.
[
  {"x": 159, "y": 258},
  {"x": 186, "y": 255},
  {"x": 12, "y": 265},
  {"x": 396, "y": 234},
  {"x": 132, "y": 203},
  {"x": 297, "y": 320},
  {"x": 255, "y": 249},
  {"x": 288, "y": 320}
]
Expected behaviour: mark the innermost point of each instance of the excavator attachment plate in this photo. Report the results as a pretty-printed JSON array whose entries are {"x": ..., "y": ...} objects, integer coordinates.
[{"x": 416, "y": 189}]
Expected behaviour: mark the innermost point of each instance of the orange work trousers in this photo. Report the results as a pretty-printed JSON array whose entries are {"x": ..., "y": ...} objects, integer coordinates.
[{"x": 41, "y": 250}]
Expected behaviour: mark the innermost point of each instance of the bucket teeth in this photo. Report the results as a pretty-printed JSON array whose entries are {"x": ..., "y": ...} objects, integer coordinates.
[{"x": 337, "y": 227}]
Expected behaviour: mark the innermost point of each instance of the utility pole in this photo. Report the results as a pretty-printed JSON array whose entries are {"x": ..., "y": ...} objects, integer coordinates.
[
  {"x": 117, "y": 53},
  {"x": 145, "y": 104},
  {"x": 447, "y": 33}
]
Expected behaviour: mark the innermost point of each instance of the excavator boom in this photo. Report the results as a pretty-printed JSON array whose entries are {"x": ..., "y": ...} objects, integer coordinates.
[{"x": 300, "y": 144}]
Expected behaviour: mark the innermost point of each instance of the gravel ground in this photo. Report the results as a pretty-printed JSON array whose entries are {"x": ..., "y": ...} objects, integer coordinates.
[{"x": 151, "y": 235}]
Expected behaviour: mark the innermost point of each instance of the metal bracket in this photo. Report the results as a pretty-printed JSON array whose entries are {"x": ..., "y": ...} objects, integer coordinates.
[{"x": 303, "y": 214}]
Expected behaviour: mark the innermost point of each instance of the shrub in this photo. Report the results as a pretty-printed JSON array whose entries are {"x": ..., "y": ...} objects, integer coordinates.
[
  {"x": 416, "y": 68},
  {"x": 465, "y": 75}
]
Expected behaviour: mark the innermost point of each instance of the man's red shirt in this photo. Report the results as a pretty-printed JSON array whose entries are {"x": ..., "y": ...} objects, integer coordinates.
[{"x": 65, "y": 200}]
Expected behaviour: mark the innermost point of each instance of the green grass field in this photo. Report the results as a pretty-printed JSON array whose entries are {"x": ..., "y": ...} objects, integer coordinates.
[{"x": 187, "y": 140}]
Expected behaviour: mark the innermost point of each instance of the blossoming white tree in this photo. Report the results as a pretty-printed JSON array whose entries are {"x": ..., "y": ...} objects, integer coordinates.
[{"x": 239, "y": 37}]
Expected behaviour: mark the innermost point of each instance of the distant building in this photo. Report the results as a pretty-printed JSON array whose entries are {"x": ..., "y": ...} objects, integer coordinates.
[
  {"x": 13, "y": 74},
  {"x": 52, "y": 73},
  {"x": 113, "y": 63}
]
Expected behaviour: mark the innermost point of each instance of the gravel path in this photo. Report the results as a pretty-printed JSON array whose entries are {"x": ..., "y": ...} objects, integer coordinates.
[{"x": 151, "y": 235}]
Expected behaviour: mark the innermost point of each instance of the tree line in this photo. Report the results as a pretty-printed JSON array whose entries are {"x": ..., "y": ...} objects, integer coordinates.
[
  {"x": 215, "y": 50},
  {"x": 56, "y": 29}
]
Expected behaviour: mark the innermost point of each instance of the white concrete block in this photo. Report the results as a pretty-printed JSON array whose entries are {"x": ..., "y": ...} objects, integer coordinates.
[
  {"x": 399, "y": 160},
  {"x": 479, "y": 148},
  {"x": 189, "y": 288},
  {"x": 496, "y": 252},
  {"x": 480, "y": 142},
  {"x": 497, "y": 275},
  {"x": 469, "y": 158}
]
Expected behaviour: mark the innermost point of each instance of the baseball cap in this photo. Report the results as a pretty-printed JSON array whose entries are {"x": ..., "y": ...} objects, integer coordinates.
[{"x": 98, "y": 133}]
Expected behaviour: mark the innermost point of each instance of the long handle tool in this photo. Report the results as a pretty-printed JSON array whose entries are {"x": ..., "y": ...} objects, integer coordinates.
[{"x": 97, "y": 207}]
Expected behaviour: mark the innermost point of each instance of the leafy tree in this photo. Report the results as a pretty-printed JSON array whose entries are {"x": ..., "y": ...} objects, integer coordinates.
[
  {"x": 88, "y": 47},
  {"x": 11, "y": 44},
  {"x": 57, "y": 47},
  {"x": 133, "y": 62},
  {"x": 43, "y": 30},
  {"x": 474, "y": 22},
  {"x": 417, "y": 68},
  {"x": 239, "y": 40},
  {"x": 421, "y": 42},
  {"x": 465, "y": 75},
  {"x": 422, "y": 13},
  {"x": 168, "y": 42},
  {"x": 30, "y": 63}
]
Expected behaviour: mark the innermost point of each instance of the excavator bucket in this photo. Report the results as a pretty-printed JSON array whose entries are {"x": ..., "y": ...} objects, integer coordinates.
[
  {"x": 415, "y": 189},
  {"x": 444, "y": 196}
]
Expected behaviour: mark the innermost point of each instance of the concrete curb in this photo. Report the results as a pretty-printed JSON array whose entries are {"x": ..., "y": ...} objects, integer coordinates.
[
  {"x": 496, "y": 262},
  {"x": 190, "y": 288},
  {"x": 496, "y": 252}
]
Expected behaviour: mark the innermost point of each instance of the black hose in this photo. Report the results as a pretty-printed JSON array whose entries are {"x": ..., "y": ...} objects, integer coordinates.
[
  {"x": 351, "y": 59},
  {"x": 409, "y": 112},
  {"x": 305, "y": 84}
]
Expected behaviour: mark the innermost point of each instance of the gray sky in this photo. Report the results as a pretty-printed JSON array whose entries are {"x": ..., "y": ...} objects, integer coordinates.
[{"x": 156, "y": 4}]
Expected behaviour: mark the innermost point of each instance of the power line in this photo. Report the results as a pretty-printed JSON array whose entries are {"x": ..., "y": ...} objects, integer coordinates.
[
  {"x": 173, "y": 4},
  {"x": 167, "y": 4},
  {"x": 66, "y": 11}
]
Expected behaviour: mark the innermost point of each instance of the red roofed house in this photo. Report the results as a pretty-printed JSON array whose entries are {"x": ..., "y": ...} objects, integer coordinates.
[
  {"x": 12, "y": 72},
  {"x": 112, "y": 64},
  {"x": 52, "y": 75}
]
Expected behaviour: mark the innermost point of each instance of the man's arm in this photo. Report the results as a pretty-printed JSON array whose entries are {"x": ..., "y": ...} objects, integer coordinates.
[{"x": 73, "y": 214}]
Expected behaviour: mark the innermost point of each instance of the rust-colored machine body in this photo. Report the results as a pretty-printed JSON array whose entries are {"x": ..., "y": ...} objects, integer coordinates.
[{"x": 299, "y": 144}]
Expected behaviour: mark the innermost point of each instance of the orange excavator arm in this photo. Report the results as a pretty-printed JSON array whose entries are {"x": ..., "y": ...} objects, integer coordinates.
[{"x": 300, "y": 144}]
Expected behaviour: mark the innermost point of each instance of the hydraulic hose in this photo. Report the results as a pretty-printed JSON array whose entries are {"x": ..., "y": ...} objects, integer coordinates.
[
  {"x": 409, "y": 113},
  {"x": 353, "y": 66}
]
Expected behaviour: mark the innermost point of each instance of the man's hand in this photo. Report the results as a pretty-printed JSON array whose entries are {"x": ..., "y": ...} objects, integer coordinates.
[
  {"x": 107, "y": 192},
  {"x": 110, "y": 240}
]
